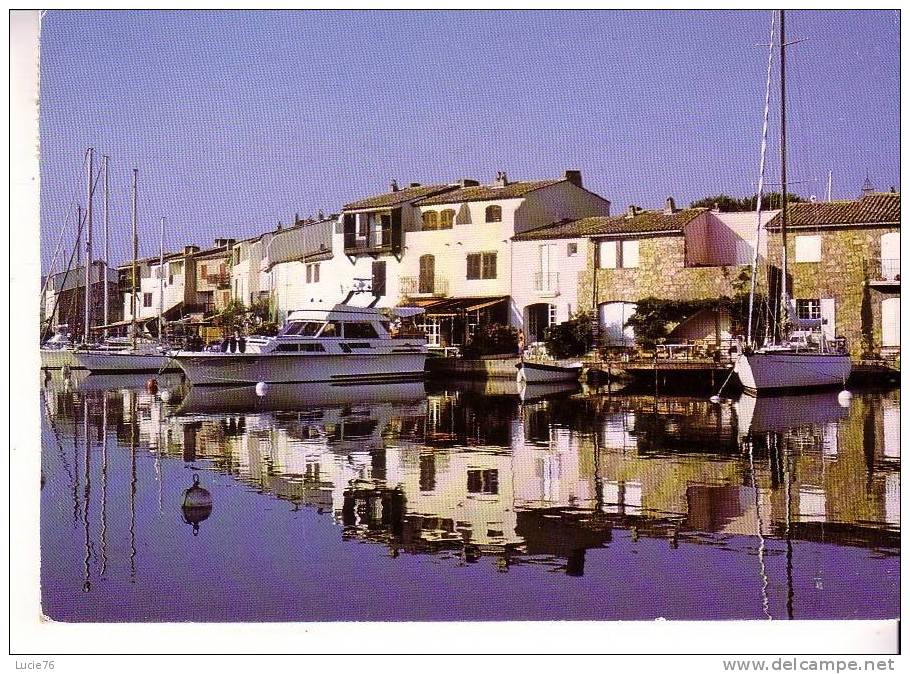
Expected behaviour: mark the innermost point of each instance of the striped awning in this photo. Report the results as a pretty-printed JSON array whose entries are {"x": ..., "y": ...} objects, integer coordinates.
[{"x": 455, "y": 306}]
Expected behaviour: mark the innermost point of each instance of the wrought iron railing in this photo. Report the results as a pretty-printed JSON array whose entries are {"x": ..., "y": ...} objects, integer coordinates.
[
  {"x": 546, "y": 282},
  {"x": 437, "y": 286}
]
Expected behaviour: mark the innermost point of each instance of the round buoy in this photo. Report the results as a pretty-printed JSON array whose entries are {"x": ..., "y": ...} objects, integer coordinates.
[
  {"x": 844, "y": 398},
  {"x": 197, "y": 505},
  {"x": 261, "y": 389},
  {"x": 165, "y": 396},
  {"x": 714, "y": 399},
  {"x": 152, "y": 386}
]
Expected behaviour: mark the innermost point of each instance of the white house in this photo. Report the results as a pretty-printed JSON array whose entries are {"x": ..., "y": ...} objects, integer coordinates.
[
  {"x": 448, "y": 248},
  {"x": 296, "y": 264}
]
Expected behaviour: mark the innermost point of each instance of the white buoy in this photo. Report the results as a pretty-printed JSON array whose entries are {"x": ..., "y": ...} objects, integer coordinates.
[
  {"x": 165, "y": 395},
  {"x": 844, "y": 398},
  {"x": 714, "y": 399},
  {"x": 261, "y": 389}
]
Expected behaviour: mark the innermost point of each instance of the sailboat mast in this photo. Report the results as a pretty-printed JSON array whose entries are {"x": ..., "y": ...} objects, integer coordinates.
[
  {"x": 783, "y": 172},
  {"x": 161, "y": 283},
  {"x": 107, "y": 250},
  {"x": 88, "y": 249},
  {"x": 761, "y": 186},
  {"x": 134, "y": 304}
]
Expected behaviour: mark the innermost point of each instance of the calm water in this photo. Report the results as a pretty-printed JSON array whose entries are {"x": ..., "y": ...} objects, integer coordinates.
[{"x": 467, "y": 503}]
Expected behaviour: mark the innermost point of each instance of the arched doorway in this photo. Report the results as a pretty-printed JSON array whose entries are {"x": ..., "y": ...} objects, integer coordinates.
[{"x": 613, "y": 317}]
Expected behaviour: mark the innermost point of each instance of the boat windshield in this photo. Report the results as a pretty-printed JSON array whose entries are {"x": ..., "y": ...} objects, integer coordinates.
[{"x": 302, "y": 328}]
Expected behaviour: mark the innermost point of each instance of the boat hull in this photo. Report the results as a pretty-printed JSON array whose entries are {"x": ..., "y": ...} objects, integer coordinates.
[
  {"x": 775, "y": 372},
  {"x": 204, "y": 369},
  {"x": 542, "y": 373},
  {"x": 57, "y": 359},
  {"x": 94, "y": 361}
]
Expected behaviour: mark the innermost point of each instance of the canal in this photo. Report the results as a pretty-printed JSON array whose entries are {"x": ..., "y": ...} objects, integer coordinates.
[{"x": 464, "y": 501}]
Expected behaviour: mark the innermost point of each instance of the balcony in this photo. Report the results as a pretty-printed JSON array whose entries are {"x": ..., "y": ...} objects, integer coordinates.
[
  {"x": 425, "y": 286},
  {"x": 373, "y": 243},
  {"x": 219, "y": 280},
  {"x": 546, "y": 283},
  {"x": 883, "y": 272}
]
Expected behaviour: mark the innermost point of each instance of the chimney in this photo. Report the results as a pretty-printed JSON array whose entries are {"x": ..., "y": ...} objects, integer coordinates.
[
  {"x": 670, "y": 208},
  {"x": 633, "y": 211},
  {"x": 467, "y": 182},
  {"x": 393, "y": 186},
  {"x": 189, "y": 250},
  {"x": 501, "y": 180},
  {"x": 574, "y": 177},
  {"x": 321, "y": 215},
  {"x": 279, "y": 226}
]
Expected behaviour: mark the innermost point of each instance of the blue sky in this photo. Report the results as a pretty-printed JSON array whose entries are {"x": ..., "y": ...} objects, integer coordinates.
[{"x": 238, "y": 119}]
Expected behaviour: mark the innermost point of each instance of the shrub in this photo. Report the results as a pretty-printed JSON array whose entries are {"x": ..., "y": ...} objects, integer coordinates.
[
  {"x": 492, "y": 338},
  {"x": 574, "y": 337}
]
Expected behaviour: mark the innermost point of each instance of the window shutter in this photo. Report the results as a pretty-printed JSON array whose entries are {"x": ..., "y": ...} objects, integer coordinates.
[
  {"x": 396, "y": 230},
  {"x": 349, "y": 231},
  {"x": 378, "y": 279},
  {"x": 629, "y": 254},
  {"x": 607, "y": 254},
  {"x": 473, "y": 266}
]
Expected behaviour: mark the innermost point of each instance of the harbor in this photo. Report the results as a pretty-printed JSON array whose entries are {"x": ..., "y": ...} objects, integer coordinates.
[{"x": 415, "y": 318}]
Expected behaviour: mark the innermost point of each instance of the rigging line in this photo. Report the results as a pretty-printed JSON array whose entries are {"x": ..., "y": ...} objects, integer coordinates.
[
  {"x": 49, "y": 317},
  {"x": 66, "y": 219},
  {"x": 761, "y": 185}
]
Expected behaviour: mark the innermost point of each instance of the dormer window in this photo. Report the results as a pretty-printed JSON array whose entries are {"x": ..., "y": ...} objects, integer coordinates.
[
  {"x": 446, "y": 218},
  {"x": 494, "y": 214},
  {"x": 430, "y": 220}
]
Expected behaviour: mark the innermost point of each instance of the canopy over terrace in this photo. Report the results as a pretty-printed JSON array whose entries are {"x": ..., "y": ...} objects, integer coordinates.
[{"x": 451, "y": 321}]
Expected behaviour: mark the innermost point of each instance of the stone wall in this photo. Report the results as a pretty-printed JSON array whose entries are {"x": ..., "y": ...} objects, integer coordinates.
[
  {"x": 846, "y": 254},
  {"x": 661, "y": 273}
]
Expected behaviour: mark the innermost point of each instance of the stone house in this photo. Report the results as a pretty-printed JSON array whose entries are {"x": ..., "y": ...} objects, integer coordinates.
[
  {"x": 63, "y": 300},
  {"x": 843, "y": 263},
  {"x": 674, "y": 254}
]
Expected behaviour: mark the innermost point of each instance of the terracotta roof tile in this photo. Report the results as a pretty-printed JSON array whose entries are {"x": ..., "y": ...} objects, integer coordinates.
[
  {"x": 875, "y": 208},
  {"x": 401, "y": 196},
  {"x": 645, "y": 222},
  {"x": 488, "y": 192}
]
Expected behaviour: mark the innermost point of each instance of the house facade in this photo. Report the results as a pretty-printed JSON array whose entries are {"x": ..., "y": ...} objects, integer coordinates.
[
  {"x": 672, "y": 254},
  {"x": 448, "y": 248},
  {"x": 843, "y": 262},
  {"x": 63, "y": 301},
  {"x": 173, "y": 294},
  {"x": 213, "y": 277},
  {"x": 297, "y": 266},
  {"x": 463, "y": 266}
]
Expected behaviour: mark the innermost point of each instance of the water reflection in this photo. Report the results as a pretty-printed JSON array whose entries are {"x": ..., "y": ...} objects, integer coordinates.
[{"x": 766, "y": 496}]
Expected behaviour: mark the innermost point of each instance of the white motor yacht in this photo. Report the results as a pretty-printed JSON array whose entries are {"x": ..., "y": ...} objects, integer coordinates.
[{"x": 344, "y": 344}]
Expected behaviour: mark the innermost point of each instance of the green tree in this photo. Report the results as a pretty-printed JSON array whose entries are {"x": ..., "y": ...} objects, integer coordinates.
[{"x": 729, "y": 204}]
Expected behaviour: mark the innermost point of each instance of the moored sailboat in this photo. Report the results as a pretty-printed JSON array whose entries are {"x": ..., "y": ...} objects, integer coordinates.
[{"x": 802, "y": 357}]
